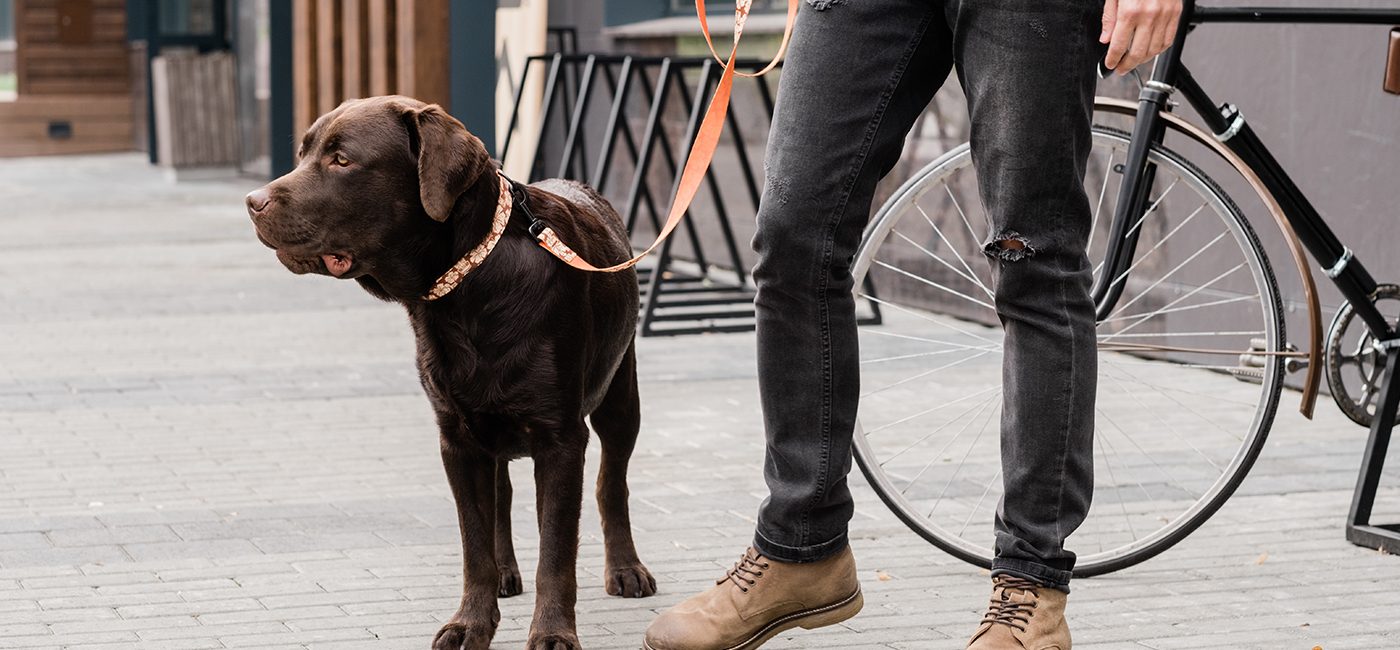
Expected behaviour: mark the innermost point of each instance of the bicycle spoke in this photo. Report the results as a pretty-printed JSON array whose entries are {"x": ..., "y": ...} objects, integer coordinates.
[
  {"x": 1174, "y": 364},
  {"x": 1164, "y": 423},
  {"x": 946, "y": 242},
  {"x": 1137, "y": 262},
  {"x": 1170, "y": 273},
  {"x": 1180, "y": 299},
  {"x": 940, "y": 260},
  {"x": 919, "y": 314},
  {"x": 922, "y": 413},
  {"x": 926, "y": 373},
  {"x": 1153, "y": 208},
  {"x": 1149, "y": 335},
  {"x": 1103, "y": 191},
  {"x": 957, "y": 204},
  {"x": 1165, "y": 474},
  {"x": 934, "y": 458},
  {"x": 911, "y": 337},
  {"x": 1163, "y": 391},
  {"x": 933, "y": 284},
  {"x": 977, "y": 506},
  {"x": 1113, "y": 481},
  {"x": 956, "y": 470},
  {"x": 904, "y": 357},
  {"x": 1174, "y": 310}
]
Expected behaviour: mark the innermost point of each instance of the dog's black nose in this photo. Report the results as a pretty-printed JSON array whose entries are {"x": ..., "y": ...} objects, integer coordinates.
[{"x": 257, "y": 201}]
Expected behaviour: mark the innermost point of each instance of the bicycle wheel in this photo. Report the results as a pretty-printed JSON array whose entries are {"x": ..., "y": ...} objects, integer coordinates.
[{"x": 1189, "y": 364}]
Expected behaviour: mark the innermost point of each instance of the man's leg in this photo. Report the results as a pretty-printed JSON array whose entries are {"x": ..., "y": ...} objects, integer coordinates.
[
  {"x": 1029, "y": 71},
  {"x": 856, "y": 77}
]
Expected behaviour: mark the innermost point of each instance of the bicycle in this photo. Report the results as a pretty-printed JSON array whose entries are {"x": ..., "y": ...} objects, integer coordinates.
[{"x": 1192, "y": 346}]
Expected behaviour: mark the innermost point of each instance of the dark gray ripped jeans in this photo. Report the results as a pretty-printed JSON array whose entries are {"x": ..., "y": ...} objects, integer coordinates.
[{"x": 858, "y": 74}]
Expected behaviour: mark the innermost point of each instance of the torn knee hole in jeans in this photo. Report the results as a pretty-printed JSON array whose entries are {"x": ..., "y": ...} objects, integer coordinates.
[
  {"x": 1009, "y": 246},
  {"x": 823, "y": 5}
]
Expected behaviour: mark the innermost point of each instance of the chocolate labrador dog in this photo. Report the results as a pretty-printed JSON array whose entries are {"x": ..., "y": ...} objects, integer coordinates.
[{"x": 515, "y": 348}]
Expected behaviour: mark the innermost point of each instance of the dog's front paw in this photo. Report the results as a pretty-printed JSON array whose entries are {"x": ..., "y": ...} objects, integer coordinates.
[
  {"x": 511, "y": 583},
  {"x": 456, "y": 635},
  {"x": 630, "y": 581},
  {"x": 554, "y": 641}
]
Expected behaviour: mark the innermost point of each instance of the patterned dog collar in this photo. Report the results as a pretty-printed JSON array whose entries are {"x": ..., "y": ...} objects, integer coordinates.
[{"x": 476, "y": 256}]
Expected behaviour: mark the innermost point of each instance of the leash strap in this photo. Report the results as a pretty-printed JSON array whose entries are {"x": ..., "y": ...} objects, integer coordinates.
[{"x": 702, "y": 152}]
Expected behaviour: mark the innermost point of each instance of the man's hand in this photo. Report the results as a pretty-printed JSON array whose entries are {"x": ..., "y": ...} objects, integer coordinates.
[{"x": 1137, "y": 30}]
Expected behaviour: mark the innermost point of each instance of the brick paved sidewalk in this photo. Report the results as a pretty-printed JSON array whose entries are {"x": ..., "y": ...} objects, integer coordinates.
[{"x": 200, "y": 450}]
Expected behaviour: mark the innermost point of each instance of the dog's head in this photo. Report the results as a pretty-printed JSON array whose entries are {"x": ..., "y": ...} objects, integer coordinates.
[{"x": 371, "y": 176}]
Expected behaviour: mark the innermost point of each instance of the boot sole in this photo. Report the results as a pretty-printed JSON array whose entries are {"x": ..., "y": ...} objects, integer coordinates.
[{"x": 808, "y": 619}]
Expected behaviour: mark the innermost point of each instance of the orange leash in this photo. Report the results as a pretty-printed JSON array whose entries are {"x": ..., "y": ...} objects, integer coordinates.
[{"x": 706, "y": 141}]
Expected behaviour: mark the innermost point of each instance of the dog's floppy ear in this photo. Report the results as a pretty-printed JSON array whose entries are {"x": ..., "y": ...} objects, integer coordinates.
[{"x": 449, "y": 158}]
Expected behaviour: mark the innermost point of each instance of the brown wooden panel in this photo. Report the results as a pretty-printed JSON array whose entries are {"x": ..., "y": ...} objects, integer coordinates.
[
  {"x": 355, "y": 49},
  {"x": 328, "y": 55},
  {"x": 38, "y": 129},
  {"x": 305, "y": 78},
  {"x": 105, "y": 67},
  {"x": 74, "y": 21},
  {"x": 97, "y": 4},
  {"x": 69, "y": 107},
  {"x": 51, "y": 86},
  {"x": 99, "y": 124},
  {"x": 105, "y": 34},
  {"x": 63, "y": 147},
  {"x": 422, "y": 48},
  {"x": 69, "y": 47},
  {"x": 383, "y": 54},
  {"x": 48, "y": 51}
]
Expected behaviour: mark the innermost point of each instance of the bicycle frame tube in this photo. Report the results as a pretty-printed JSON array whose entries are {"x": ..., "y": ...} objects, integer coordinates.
[
  {"x": 1338, "y": 261},
  {"x": 1302, "y": 15}
]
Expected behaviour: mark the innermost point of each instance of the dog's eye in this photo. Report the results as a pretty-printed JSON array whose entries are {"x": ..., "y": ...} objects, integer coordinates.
[{"x": 341, "y": 160}]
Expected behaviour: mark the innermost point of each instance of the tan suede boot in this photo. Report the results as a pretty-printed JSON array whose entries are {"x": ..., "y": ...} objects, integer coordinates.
[
  {"x": 758, "y": 599},
  {"x": 1022, "y": 616}
]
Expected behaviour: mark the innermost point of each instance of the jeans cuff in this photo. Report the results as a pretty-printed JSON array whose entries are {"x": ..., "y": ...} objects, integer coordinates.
[
  {"x": 1038, "y": 573},
  {"x": 799, "y": 554}
]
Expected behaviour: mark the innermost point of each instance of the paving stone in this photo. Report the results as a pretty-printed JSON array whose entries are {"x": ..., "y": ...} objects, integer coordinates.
[{"x": 202, "y": 450}]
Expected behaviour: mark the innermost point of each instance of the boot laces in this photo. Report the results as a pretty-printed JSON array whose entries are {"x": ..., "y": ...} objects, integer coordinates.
[
  {"x": 746, "y": 571},
  {"x": 1012, "y": 613}
]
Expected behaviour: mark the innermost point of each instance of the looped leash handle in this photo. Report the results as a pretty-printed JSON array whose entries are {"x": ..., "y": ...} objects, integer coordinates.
[{"x": 702, "y": 152}]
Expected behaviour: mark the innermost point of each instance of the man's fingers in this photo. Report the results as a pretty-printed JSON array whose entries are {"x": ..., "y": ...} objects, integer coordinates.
[
  {"x": 1110, "y": 18},
  {"x": 1141, "y": 49},
  {"x": 1141, "y": 29},
  {"x": 1172, "y": 24},
  {"x": 1120, "y": 42}
]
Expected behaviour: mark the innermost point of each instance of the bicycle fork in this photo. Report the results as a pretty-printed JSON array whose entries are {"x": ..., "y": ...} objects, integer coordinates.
[{"x": 1138, "y": 178}]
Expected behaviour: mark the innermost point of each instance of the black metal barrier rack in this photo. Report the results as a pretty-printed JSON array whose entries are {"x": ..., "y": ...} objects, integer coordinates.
[{"x": 678, "y": 296}]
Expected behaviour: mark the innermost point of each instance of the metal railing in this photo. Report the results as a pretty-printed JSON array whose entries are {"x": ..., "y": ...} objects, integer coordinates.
[{"x": 702, "y": 289}]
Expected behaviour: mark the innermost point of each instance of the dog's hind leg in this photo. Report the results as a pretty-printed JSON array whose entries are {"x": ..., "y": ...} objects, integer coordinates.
[
  {"x": 617, "y": 421},
  {"x": 511, "y": 583}
]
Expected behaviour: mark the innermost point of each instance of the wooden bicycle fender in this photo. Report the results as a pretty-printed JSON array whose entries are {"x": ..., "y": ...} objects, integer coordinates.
[{"x": 1300, "y": 257}]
